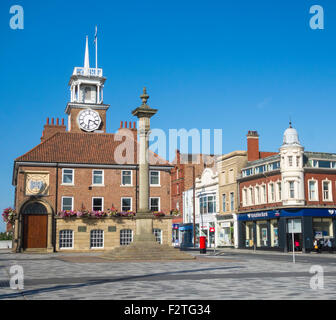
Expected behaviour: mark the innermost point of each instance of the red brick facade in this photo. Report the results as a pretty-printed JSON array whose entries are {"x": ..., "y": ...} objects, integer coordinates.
[
  {"x": 320, "y": 177},
  {"x": 254, "y": 182}
]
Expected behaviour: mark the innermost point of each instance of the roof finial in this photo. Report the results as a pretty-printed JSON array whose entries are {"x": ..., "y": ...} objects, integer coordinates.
[
  {"x": 86, "y": 58},
  {"x": 144, "y": 97},
  {"x": 290, "y": 122}
]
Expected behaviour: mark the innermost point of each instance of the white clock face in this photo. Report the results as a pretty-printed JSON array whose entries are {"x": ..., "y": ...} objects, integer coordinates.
[{"x": 89, "y": 120}]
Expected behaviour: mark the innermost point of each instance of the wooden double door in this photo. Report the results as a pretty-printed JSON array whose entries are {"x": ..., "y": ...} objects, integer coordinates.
[{"x": 35, "y": 231}]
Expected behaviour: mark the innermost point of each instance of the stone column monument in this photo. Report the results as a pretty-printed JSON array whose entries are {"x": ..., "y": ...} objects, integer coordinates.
[
  {"x": 144, "y": 245},
  {"x": 144, "y": 217}
]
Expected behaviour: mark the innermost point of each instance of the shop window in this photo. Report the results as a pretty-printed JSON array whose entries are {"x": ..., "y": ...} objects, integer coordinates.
[
  {"x": 322, "y": 227},
  {"x": 274, "y": 233},
  {"x": 249, "y": 234},
  {"x": 262, "y": 234}
]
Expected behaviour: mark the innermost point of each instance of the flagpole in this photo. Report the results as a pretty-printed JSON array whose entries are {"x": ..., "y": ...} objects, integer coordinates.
[{"x": 96, "y": 41}]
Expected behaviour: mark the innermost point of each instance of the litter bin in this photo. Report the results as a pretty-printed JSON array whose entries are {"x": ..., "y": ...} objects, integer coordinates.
[{"x": 202, "y": 244}]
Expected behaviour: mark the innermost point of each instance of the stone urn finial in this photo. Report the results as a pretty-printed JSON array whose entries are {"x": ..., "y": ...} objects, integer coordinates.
[{"x": 144, "y": 97}]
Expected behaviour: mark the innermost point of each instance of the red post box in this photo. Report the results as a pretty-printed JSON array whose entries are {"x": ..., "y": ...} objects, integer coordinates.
[{"x": 202, "y": 244}]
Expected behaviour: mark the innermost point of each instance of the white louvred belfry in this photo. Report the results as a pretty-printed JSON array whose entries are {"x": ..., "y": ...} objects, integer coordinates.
[{"x": 86, "y": 108}]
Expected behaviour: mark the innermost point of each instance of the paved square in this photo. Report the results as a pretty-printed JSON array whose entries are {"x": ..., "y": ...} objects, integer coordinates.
[{"x": 229, "y": 275}]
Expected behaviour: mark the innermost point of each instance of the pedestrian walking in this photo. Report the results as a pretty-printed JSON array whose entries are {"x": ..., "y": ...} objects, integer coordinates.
[
  {"x": 315, "y": 246},
  {"x": 297, "y": 245},
  {"x": 329, "y": 245}
]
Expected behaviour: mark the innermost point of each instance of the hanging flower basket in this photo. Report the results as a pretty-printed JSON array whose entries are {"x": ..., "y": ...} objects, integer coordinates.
[
  {"x": 9, "y": 215},
  {"x": 175, "y": 212}
]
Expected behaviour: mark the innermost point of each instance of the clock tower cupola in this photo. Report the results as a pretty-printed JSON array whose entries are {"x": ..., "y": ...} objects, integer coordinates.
[{"x": 86, "y": 109}]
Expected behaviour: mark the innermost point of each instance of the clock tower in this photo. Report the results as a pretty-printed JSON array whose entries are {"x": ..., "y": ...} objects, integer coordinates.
[{"x": 86, "y": 110}]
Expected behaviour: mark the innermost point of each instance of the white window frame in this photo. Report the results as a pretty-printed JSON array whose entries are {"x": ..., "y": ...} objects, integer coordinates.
[
  {"x": 257, "y": 194},
  {"x": 232, "y": 201},
  {"x": 159, "y": 176},
  {"x": 271, "y": 197},
  {"x": 121, "y": 200},
  {"x": 250, "y": 196},
  {"x": 289, "y": 189},
  {"x": 73, "y": 177},
  {"x": 98, "y": 184},
  {"x": 316, "y": 190},
  {"x": 94, "y": 248},
  {"x": 155, "y": 234},
  {"x": 72, "y": 240},
  {"x": 72, "y": 202},
  {"x": 132, "y": 233},
  {"x": 102, "y": 203},
  {"x": 150, "y": 199},
  {"x": 244, "y": 195},
  {"x": 278, "y": 191},
  {"x": 224, "y": 209},
  {"x": 263, "y": 193},
  {"x": 126, "y": 185},
  {"x": 329, "y": 190}
]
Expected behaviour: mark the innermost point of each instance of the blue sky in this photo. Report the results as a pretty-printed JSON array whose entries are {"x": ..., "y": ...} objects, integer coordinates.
[{"x": 230, "y": 64}]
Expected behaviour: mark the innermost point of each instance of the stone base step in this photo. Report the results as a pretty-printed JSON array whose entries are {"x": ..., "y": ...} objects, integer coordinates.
[{"x": 146, "y": 250}]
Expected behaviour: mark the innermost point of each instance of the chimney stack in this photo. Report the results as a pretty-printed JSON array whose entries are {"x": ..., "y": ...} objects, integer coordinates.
[
  {"x": 51, "y": 129},
  {"x": 253, "y": 146}
]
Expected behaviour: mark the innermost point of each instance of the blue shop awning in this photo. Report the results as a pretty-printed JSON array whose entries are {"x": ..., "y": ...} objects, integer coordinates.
[
  {"x": 185, "y": 228},
  {"x": 296, "y": 212}
]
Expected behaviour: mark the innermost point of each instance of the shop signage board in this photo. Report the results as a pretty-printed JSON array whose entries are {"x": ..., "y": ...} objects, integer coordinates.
[{"x": 274, "y": 214}]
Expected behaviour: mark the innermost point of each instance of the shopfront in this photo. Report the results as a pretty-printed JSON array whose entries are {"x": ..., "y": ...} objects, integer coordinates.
[
  {"x": 225, "y": 231},
  {"x": 186, "y": 235},
  {"x": 285, "y": 229}
]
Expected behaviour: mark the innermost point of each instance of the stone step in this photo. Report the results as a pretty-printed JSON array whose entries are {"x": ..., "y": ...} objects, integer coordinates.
[{"x": 146, "y": 250}]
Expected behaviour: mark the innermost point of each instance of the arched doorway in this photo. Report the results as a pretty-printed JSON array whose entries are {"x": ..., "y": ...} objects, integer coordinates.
[{"x": 35, "y": 223}]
